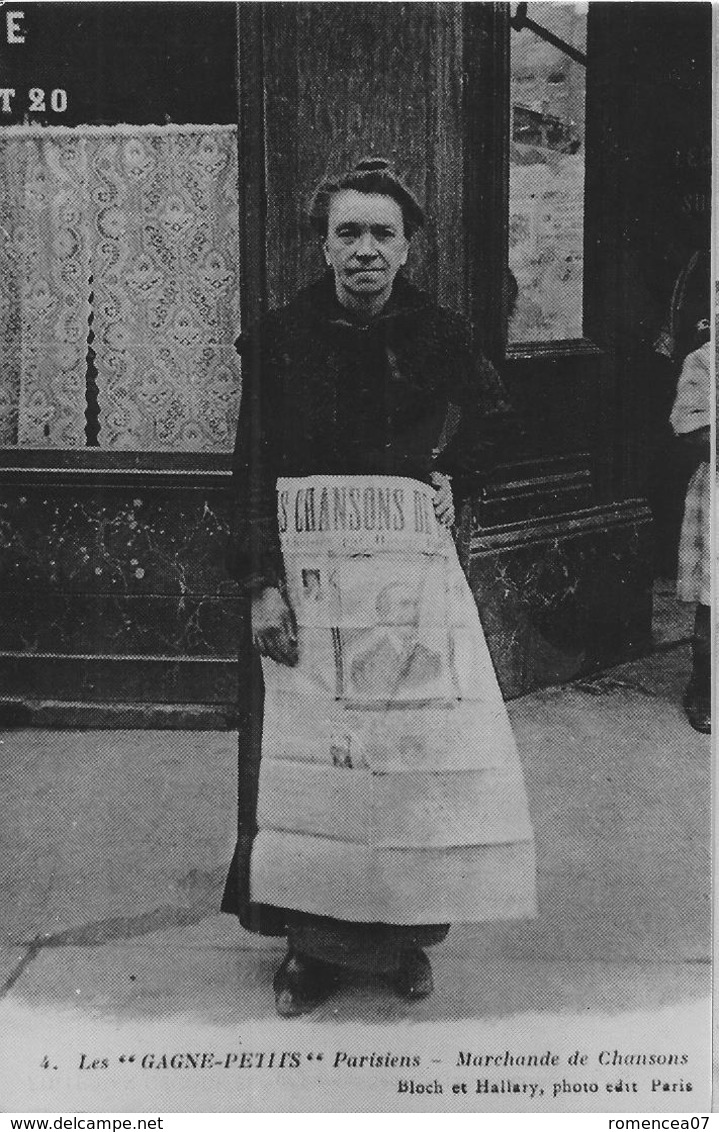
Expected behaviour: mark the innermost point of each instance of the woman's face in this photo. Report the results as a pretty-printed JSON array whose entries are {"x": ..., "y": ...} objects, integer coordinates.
[{"x": 365, "y": 244}]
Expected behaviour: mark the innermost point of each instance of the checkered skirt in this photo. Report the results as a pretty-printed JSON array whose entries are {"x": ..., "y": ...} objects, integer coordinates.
[{"x": 695, "y": 566}]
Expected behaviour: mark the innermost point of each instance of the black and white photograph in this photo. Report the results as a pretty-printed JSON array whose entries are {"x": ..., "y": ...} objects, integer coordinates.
[{"x": 356, "y": 479}]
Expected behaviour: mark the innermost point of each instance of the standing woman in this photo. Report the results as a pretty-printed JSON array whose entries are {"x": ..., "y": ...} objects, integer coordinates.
[{"x": 381, "y": 796}]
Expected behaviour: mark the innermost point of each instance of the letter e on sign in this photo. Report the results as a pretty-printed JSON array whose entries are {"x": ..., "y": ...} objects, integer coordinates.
[{"x": 14, "y": 32}]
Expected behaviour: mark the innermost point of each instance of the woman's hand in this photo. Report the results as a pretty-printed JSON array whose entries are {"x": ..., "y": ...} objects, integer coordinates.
[
  {"x": 274, "y": 631},
  {"x": 443, "y": 501}
]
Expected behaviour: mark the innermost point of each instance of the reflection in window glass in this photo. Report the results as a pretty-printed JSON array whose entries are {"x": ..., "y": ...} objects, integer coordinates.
[{"x": 546, "y": 178}]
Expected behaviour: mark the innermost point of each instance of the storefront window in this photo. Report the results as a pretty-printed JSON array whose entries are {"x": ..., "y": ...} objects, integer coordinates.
[
  {"x": 119, "y": 218},
  {"x": 547, "y": 163}
]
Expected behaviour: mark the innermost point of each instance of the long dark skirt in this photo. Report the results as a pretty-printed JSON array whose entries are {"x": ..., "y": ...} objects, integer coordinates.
[{"x": 373, "y": 946}]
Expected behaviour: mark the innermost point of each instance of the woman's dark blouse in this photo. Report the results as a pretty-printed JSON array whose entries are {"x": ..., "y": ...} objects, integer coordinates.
[{"x": 403, "y": 395}]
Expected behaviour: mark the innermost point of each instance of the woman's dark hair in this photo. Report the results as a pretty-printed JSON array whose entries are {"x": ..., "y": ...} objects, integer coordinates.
[{"x": 371, "y": 175}]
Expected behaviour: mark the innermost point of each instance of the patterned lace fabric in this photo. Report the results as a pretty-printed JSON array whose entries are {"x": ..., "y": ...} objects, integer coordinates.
[
  {"x": 44, "y": 296},
  {"x": 10, "y": 326},
  {"x": 119, "y": 248}
]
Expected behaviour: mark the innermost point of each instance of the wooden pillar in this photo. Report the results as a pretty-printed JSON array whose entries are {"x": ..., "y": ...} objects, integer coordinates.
[{"x": 345, "y": 82}]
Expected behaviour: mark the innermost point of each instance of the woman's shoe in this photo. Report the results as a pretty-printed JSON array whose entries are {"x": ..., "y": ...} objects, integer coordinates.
[
  {"x": 413, "y": 979},
  {"x": 301, "y": 984}
]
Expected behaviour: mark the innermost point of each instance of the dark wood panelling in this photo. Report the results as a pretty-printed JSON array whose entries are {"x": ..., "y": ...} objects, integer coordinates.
[
  {"x": 533, "y": 489},
  {"x": 129, "y": 679},
  {"x": 486, "y": 169},
  {"x": 364, "y": 79},
  {"x": 285, "y": 193},
  {"x": 105, "y": 537},
  {"x": 114, "y": 590},
  {"x": 252, "y": 195},
  {"x": 560, "y": 598},
  {"x": 148, "y": 625}
]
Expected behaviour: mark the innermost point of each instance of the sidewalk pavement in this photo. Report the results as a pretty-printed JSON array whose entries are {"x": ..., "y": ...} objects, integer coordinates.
[{"x": 115, "y": 845}]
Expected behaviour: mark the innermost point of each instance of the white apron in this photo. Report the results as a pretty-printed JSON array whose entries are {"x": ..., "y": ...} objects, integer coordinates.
[{"x": 390, "y": 786}]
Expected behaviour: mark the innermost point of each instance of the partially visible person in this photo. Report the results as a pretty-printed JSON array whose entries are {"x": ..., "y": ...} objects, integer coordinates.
[
  {"x": 678, "y": 335},
  {"x": 670, "y": 463},
  {"x": 690, "y": 419}
]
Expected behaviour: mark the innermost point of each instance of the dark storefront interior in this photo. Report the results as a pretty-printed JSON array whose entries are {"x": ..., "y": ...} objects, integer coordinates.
[{"x": 118, "y": 608}]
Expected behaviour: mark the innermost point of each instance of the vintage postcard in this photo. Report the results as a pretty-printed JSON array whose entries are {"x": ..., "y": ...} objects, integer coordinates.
[{"x": 355, "y": 489}]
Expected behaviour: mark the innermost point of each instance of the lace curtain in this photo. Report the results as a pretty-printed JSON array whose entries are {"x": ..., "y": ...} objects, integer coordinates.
[
  {"x": 44, "y": 306},
  {"x": 119, "y": 291}
]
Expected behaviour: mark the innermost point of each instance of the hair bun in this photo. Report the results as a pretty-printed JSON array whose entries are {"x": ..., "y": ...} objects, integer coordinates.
[
  {"x": 370, "y": 175},
  {"x": 373, "y": 165}
]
